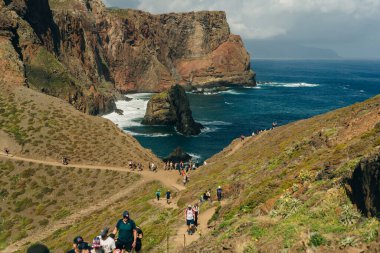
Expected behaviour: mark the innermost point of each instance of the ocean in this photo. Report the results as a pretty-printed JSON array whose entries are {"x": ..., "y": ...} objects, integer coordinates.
[{"x": 287, "y": 90}]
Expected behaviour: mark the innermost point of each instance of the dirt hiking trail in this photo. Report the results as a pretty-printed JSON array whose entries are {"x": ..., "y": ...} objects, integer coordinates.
[{"x": 167, "y": 178}]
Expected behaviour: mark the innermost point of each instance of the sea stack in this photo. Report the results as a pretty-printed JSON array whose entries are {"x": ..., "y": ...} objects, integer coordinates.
[{"x": 172, "y": 108}]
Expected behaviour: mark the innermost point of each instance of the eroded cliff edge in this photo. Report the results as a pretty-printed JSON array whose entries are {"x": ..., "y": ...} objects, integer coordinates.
[{"x": 82, "y": 52}]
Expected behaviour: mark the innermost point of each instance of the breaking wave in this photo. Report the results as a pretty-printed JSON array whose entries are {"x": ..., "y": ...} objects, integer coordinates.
[{"x": 288, "y": 85}]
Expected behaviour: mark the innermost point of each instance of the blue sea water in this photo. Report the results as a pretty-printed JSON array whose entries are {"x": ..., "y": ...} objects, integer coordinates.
[{"x": 288, "y": 90}]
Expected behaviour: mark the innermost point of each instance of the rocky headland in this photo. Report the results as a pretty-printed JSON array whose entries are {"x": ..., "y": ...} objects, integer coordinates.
[
  {"x": 86, "y": 54},
  {"x": 172, "y": 108}
]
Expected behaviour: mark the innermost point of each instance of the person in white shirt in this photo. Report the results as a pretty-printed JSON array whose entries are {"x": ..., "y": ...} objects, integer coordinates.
[
  {"x": 107, "y": 242},
  {"x": 190, "y": 215}
]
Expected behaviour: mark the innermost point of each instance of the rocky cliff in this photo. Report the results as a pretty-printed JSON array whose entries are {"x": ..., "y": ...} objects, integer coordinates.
[
  {"x": 172, "y": 108},
  {"x": 84, "y": 53}
]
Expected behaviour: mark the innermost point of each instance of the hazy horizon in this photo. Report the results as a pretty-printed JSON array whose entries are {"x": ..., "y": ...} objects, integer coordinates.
[{"x": 346, "y": 27}]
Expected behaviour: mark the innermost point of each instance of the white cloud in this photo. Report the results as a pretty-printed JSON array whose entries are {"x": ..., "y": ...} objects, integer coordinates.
[
  {"x": 262, "y": 19},
  {"x": 324, "y": 22}
]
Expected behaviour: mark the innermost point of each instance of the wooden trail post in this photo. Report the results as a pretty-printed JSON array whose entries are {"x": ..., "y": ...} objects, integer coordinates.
[
  {"x": 167, "y": 242},
  {"x": 184, "y": 240}
]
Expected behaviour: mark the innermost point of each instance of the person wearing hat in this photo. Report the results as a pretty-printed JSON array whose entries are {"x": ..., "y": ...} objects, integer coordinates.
[
  {"x": 168, "y": 193},
  {"x": 189, "y": 216},
  {"x": 79, "y": 246},
  {"x": 219, "y": 193},
  {"x": 127, "y": 236},
  {"x": 96, "y": 247},
  {"x": 107, "y": 242}
]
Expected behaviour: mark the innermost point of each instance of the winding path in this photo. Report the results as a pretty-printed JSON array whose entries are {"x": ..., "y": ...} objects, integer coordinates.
[{"x": 167, "y": 178}]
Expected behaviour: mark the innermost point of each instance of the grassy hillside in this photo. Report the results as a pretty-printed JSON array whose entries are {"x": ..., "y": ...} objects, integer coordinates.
[
  {"x": 44, "y": 127},
  {"x": 35, "y": 195},
  {"x": 287, "y": 188}
]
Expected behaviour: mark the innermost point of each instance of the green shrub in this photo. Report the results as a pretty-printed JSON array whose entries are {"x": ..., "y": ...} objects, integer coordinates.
[{"x": 317, "y": 240}]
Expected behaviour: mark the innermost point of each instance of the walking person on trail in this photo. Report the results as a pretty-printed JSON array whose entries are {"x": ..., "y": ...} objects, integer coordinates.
[
  {"x": 158, "y": 194},
  {"x": 127, "y": 234},
  {"x": 107, "y": 242},
  {"x": 96, "y": 246},
  {"x": 189, "y": 216},
  {"x": 6, "y": 151},
  {"x": 140, "y": 235},
  {"x": 79, "y": 246},
  {"x": 196, "y": 214},
  {"x": 208, "y": 194},
  {"x": 219, "y": 193},
  {"x": 168, "y": 193}
]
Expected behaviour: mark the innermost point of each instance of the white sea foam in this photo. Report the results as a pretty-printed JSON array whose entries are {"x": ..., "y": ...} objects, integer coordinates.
[
  {"x": 251, "y": 87},
  {"x": 195, "y": 156},
  {"x": 147, "y": 135},
  {"x": 133, "y": 110},
  {"x": 227, "y": 103},
  {"x": 231, "y": 92},
  {"x": 361, "y": 91},
  {"x": 289, "y": 85},
  {"x": 215, "y": 123},
  {"x": 209, "y": 130}
]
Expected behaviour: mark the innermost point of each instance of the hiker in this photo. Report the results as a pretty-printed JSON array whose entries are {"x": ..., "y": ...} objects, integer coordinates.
[
  {"x": 196, "y": 213},
  {"x": 140, "y": 235},
  {"x": 6, "y": 151},
  {"x": 189, "y": 215},
  {"x": 130, "y": 165},
  {"x": 168, "y": 193},
  {"x": 158, "y": 194},
  {"x": 208, "y": 194},
  {"x": 201, "y": 199},
  {"x": 65, "y": 160},
  {"x": 107, "y": 242},
  {"x": 38, "y": 248},
  {"x": 274, "y": 124},
  {"x": 80, "y": 246},
  {"x": 219, "y": 193},
  {"x": 96, "y": 246},
  {"x": 242, "y": 138},
  {"x": 127, "y": 236},
  {"x": 185, "y": 179},
  {"x": 205, "y": 197},
  {"x": 171, "y": 165}
]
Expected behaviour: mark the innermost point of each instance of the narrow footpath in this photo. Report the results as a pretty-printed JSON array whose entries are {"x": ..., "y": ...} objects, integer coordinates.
[{"x": 167, "y": 178}]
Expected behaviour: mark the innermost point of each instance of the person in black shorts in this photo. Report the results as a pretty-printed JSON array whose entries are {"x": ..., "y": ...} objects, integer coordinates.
[
  {"x": 127, "y": 236},
  {"x": 140, "y": 235}
]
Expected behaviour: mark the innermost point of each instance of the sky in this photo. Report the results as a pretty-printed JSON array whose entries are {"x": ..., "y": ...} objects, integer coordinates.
[{"x": 351, "y": 28}]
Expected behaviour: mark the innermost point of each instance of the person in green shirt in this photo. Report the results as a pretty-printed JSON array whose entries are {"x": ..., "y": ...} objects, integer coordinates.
[
  {"x": 127, "y": 236},
  {"x": 158, "y": 194}
]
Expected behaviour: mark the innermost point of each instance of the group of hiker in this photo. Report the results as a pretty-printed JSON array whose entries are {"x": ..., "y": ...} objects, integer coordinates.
[
  {"x": 167, "y": 195},
  {"x": 192, "y": 212},
  {"x": 128, "y": 240},
  {"x": 170, "y": 165}
]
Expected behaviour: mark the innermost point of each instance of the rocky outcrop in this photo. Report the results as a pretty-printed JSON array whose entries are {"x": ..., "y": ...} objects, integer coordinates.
[
  {"x": 142, "y": 52},
  {"x": 177, "y": 155},
  {"x": 172, "y": 108},
  {"x": 364, "y": 186},
  {"x": 82, "y": 52},
  {"x": 30, "y": 28}
]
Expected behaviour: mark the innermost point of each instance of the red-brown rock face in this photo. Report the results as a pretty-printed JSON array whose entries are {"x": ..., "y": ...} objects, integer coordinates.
[
  {"x": 81, "y": 52},
  {"x": 145, "y": 52}
]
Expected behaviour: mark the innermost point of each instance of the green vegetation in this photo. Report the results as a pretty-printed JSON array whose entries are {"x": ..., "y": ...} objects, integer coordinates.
[
  {"x": 287, "y": 186},
  {"x": 30, "y": 195}
]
